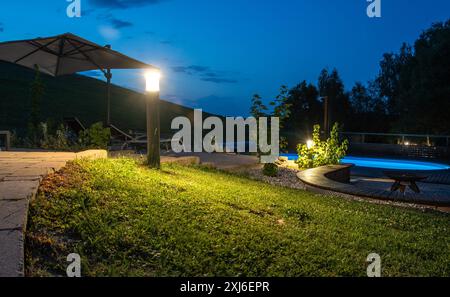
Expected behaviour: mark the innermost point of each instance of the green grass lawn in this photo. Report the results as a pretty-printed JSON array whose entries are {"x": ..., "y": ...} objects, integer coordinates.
[{"x": 124, "y": 219}]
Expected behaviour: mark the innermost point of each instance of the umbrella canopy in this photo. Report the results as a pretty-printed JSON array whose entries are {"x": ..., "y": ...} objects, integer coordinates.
[{"x": 66, "y": 54}]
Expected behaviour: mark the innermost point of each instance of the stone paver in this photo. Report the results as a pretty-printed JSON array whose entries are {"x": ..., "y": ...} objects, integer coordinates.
[
  {"x": 13, "y": 214},
  {"x": 15, "y": 190},
  {"x": 11, "y": 253},
  {"x": 20, "y": 176}
]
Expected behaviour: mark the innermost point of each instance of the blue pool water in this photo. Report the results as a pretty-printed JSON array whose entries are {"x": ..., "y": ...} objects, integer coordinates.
[{"x": 386, "y": 163}]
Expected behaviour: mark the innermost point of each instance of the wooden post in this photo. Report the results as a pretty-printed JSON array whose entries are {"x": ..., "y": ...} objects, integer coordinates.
[
  {"x": 326, "y": 123},
  {"x": 153, "y": 130},
  {"x": 8, "y": 141}
]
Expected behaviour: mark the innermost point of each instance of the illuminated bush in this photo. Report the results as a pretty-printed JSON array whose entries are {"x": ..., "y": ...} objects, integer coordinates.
[{"x": 321, "y": 153}]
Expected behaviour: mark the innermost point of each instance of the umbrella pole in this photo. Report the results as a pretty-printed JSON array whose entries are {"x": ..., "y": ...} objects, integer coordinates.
[
  {"x": 108, "y": 95},
  {"x": 108, "y": 76}
]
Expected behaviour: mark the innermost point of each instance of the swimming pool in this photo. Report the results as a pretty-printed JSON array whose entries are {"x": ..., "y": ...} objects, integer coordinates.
[{"x": 385, "y": 163}]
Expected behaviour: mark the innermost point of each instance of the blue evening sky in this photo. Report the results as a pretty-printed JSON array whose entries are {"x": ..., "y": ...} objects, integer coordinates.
[{"x": 216, "y": 54}]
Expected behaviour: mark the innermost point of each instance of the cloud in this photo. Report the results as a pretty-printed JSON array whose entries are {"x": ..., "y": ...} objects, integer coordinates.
[
  {"x": 167, "y": 42},
  {"x": 220, "y": 80},
  {"x": 190, "y": 70},
  {"x": 205, "y": 73},
  {"x": 123, "y": 4},
  {"x": 113, "y": 21},
  {"x": 109, "y": 33},
  {"x": 119, "y": 24}
]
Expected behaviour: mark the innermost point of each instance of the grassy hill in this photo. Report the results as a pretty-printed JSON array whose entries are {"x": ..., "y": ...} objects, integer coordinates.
[{"x": 77, "y": 96}]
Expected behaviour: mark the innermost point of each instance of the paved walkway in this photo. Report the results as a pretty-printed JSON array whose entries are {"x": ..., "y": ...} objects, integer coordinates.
[
  {"x": 223, "y": 161},
  {"x": 20, "y": 176}
]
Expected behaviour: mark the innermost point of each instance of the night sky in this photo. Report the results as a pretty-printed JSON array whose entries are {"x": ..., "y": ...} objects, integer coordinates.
[{"x": 215, "y": 54}]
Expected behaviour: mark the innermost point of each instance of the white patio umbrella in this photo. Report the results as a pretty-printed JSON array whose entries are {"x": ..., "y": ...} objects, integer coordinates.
[{"x": 67, "y": 54}]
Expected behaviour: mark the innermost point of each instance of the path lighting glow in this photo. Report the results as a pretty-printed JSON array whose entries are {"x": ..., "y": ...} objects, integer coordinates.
[
  {"x": 310, "y": 144},
  {"x": 407, "y": 143},
  {"x": 152, "y": 78}
]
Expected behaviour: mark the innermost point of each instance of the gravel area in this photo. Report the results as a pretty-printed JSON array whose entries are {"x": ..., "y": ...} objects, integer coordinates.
[{"x": 287, "y": 177}]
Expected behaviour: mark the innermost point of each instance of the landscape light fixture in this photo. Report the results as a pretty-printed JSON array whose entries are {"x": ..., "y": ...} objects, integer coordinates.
[
  {"x": 310, "y": 144},
  {"x": 152, "y": 78}
]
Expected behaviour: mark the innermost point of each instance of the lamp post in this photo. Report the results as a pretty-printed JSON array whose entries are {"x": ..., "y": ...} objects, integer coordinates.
[{"x": 153, "y": 125}]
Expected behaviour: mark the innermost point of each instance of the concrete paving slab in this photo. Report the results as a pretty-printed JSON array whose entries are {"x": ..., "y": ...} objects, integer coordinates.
[
  {"x": 22, "y": 178},
  {"x": 55, "y": 165},
  {"x": 33, "y": 171},
  {"x": 11, "y": 253},
  {"x": 13, "y": 214},
  {"x": 15, "y": 190}
]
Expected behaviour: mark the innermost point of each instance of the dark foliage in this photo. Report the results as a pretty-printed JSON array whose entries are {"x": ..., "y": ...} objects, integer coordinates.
[{"x": 411, "y": 94}]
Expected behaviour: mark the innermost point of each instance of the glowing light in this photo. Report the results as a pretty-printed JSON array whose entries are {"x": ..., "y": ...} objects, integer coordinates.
[
  {"x": 152, "y": 81},
  {"x": 407, "y": 143},
  {"x": 310, "y": 144}
]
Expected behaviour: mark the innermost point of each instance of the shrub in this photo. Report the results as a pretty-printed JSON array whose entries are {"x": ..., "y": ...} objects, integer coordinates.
[
  {"x": 322, "y": 153},
  {"x": 57, "y": 141},
  {"x": 270, "y": 169},
  {"x": 95, "y": 137}
]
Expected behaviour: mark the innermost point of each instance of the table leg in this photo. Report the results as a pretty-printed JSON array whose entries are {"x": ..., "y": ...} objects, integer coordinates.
[
  {"x": 414, "y": 187},
  {"x": 395, "y": 186}
]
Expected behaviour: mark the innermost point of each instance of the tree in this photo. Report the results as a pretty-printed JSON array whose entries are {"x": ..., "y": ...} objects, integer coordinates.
[
  {"x": 258, "y": 109},
  {"x": 368, "y": 112},
  {"x": 393, "y": 72},
  {"x": 414, "y": 83},
  {"x": 360, "y": 99},
  {"x": 282, "y": 111},
  {"x": 427, "y": 78},
  {"x": 281, "y": 106},
  {"x": 331, "y": 86},
  {"x": 305, "y": 112}
]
